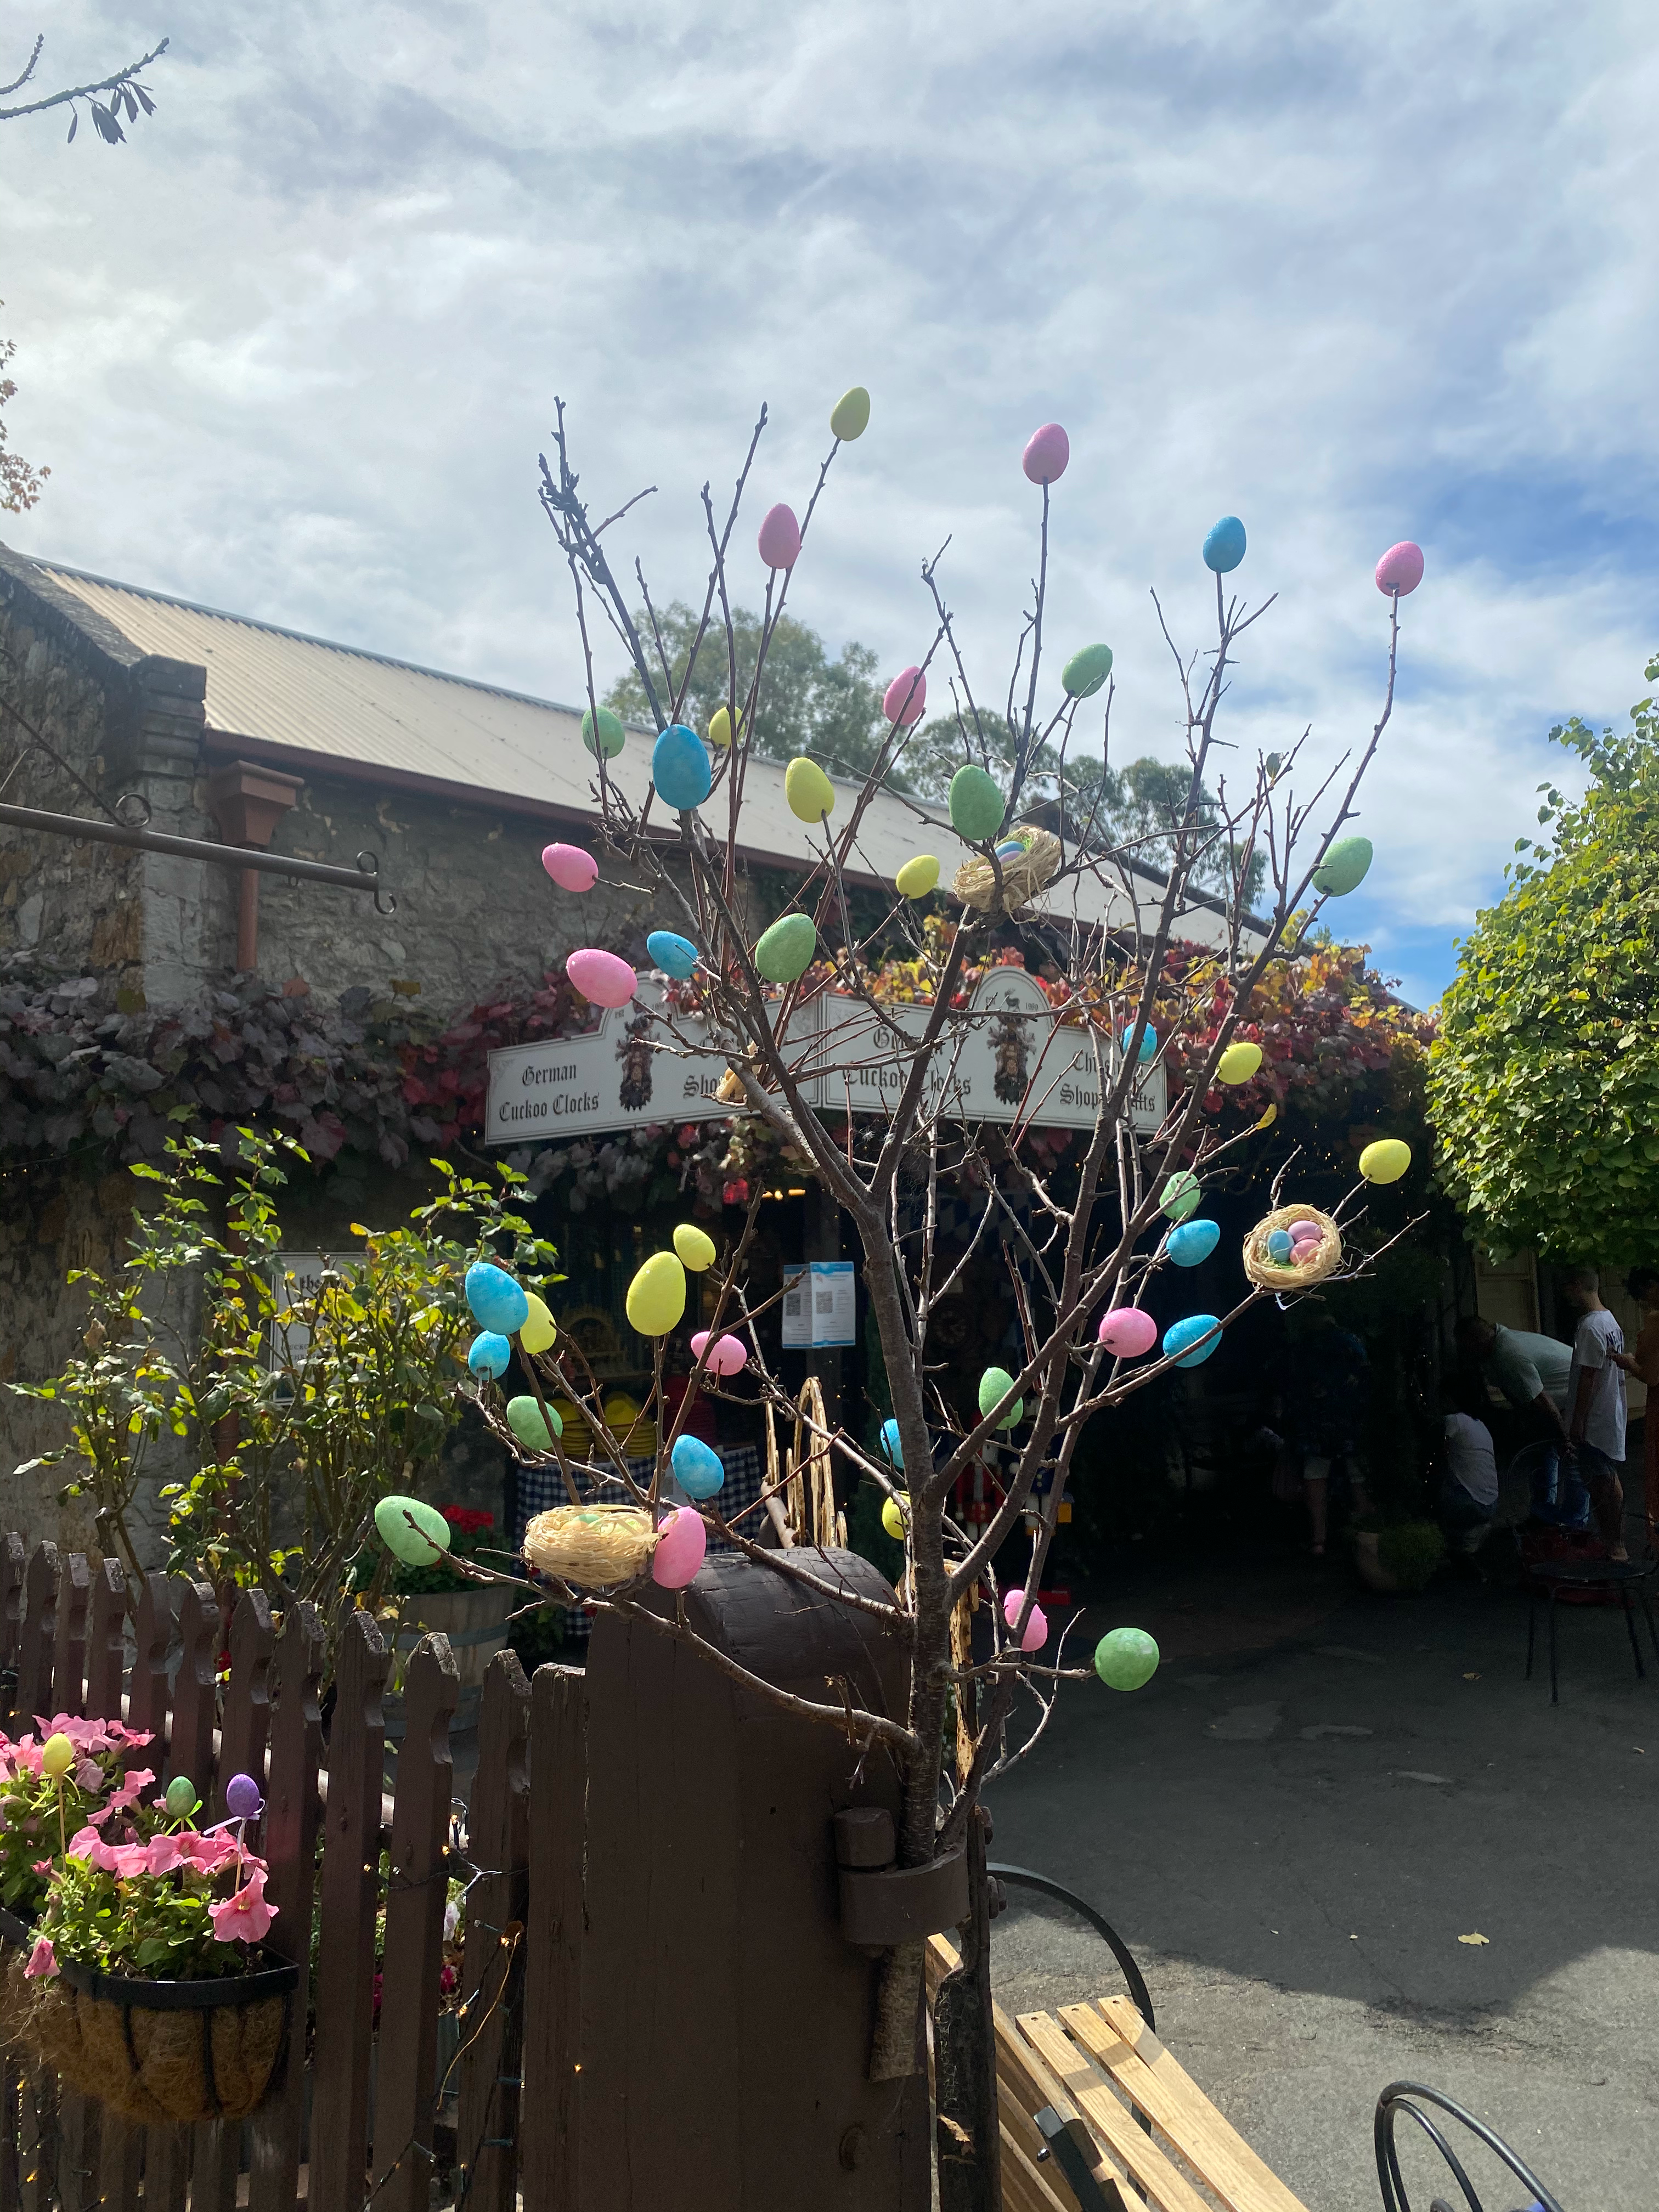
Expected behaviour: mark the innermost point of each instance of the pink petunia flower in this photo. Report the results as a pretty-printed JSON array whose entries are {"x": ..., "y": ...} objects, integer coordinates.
[
  {"x": 208, "y": 1851},
  {"x": 162, "y": 1854},
  {"x": 89, "y": 1775},
  {"x": 42, "y": 1959},
  {"x": 87, "y": 1844},
  {"x": 245, "y": 1918},
  {"x": 41, "y": 1866}
]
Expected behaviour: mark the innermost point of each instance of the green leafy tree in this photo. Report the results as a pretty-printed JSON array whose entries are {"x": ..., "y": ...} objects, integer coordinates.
[
  {"x": 809, "y": 702},
  {"x": 292, "y": 1414},
  {"x": 1544, "y": 1084}
]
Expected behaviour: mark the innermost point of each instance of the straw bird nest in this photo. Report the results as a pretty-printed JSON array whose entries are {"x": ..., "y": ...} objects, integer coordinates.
[
  {"x": 1027, "y": 859},
  {"x": 1325, "y": 1257},
  {"x": 591, "y": 1547}
]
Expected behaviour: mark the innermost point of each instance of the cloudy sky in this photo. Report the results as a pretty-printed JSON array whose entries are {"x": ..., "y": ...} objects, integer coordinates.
[{"x": 1355, "y": 273}]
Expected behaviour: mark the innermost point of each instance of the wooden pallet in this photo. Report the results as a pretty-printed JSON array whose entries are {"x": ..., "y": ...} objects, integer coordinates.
[{"x": 1101, "y": 2064}]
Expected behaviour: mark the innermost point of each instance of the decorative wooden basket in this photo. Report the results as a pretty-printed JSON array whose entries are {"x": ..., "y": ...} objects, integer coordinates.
[
  {"x": 154, "y": 2051},
  {"x": 592, "y": 1546},
  {"x": 1023, "y": 874},
  {"x": 1276, "y": 1275}
]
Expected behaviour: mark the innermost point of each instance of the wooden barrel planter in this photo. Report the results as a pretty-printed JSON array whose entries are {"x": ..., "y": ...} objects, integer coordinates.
[
  {"x": 474, "y": 1620},
  {"x": 151, "y": 2050}
]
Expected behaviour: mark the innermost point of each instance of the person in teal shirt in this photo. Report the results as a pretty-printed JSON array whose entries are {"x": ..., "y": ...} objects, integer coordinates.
[{"x": 1533, "y": 1372}]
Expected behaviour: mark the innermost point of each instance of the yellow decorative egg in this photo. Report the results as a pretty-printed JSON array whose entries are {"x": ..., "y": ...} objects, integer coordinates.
[
  {"x": 809, "y": 790},
  {"x": 1385, "y": 1161},
  {"x": 1239, "y": 1063},
  {"x": 694, "y": 1246},
  {"x": 895, "y": 1519},
  {"x": 719, "y": 728},
  {"x": 536, "y": 1331},
  {"x": 917, "y": 877},
  {"x": 656, "y": 1297},
  {"x": 850, "y": 416}
]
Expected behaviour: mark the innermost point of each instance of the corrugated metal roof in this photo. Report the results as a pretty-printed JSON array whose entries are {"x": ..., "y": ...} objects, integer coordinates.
[{"x": 277, "y": 687}]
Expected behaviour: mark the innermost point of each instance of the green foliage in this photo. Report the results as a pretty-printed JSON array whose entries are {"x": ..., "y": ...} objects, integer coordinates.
[
  {"x": 1544, "y": 1084},
  {"x": 809, "y": 702},
  {"x": 295, "y": 1413},
  {"x": 1410, "y": 1551}
]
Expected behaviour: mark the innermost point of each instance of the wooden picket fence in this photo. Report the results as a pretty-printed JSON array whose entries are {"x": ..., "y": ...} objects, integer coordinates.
[{"x": 81, "y": 1639}]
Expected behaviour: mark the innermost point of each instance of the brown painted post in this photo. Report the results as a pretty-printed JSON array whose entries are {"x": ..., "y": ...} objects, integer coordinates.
[
  {"x": 70, "y": 1654},
  {"x": 106, "y": 1652},
  {"x": 416, "y": 1895},
  {"x": 150, "y": 1689},
  {"x": 194, "y": 1689},
  {"x": 345, "y": 1971},
  {"x": 550, "y": 2137},
  {"x": 13, "y": 1580},
  {"x": 247, "y": 1700},
  {"x": 39, "y": 1636},
  {"x": 289, "y": 1831},
  {"x": 493, "y": 1965}
]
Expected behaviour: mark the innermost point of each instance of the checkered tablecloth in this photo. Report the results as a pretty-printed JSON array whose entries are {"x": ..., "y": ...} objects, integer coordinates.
[{"x": 541, "y": 1488}]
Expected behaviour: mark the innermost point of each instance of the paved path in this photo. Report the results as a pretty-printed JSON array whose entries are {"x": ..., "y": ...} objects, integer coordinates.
[{"x": 1293, "y": 1840}]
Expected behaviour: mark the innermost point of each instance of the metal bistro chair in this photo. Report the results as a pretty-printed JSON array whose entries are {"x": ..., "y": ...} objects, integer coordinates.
[
  {"x": 1549, "y": 1577},
  {"x": 1404, "y": 2097}
]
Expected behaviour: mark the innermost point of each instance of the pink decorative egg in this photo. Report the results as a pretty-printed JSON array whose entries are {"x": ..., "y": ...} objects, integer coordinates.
[
  {"x": 680, "y": 1548},
  {"x": 1036, "y": 1628},
  {"x": 1399, "y": 570},
  {"x": 1047, "y": 452},
  {"x": 780, "y": 537},
  {"x": 602, "y": 977},
  {"x": 1127, "y": 1333},
  {"x": 571, "y": 869},
  {"x": 1301, "y": 1230},
  {"x": 727, "y": 1355},
  {"x": 909, "y": 684}
]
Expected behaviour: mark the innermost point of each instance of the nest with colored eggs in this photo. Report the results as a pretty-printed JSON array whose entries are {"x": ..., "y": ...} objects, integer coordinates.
[
  {"x": 1310, "y": 1260},
  {"x": 1028, "y": 860},
  {"x": 591, "y": 1547}
]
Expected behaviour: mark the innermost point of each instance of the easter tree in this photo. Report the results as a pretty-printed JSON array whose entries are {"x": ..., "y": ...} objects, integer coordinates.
[{"x": 1079, "y": 1258}]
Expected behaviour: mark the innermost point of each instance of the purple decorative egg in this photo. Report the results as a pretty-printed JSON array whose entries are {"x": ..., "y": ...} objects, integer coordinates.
[
  {"x": 1047, "y": 452},
  {"x": 905, "y": 697},
  {"x": 680, "y": 1548},
  {"x": 1399, "y": 570},
  {"x": 571, "y": 869},
  {"x": 601, "y": 977},
  {"x": 242, "y": 1798},
  {"x": 1127, "y": 1333},
  {"x": 780, "y": 537}
]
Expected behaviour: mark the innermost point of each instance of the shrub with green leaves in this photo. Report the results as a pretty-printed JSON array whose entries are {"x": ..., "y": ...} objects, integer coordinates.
[
  {"x": 293, "y": 1413},
  {"x": 1543, "y": 1082}
]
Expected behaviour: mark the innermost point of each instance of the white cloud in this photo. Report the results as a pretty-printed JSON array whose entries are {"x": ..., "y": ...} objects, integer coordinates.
[{"x": 1352, "y": 276}]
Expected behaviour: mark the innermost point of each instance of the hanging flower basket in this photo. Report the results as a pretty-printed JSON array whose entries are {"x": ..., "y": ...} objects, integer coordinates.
[{"x": 154, "y": 2051}]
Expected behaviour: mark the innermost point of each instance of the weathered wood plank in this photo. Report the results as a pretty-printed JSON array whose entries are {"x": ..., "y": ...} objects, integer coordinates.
[
  {"x": 352, "y": 1881},
  {"x": 417, "y": 1891},
  {"x": 14, "y": 1592},
  {"x": 247, "y": 1696},
  {"x": 492, "y": 1966},
  {"x": 289, "y": 1834},
  {"x": 195, "y": 1689},
  {"x": 38, "y": 1646},
  {"x": 150, "y": 1690},
  {"x": 107, "y": 1650},
  {"x": 550, "y": 2134},
  {"x": 69, "y": 1665}
]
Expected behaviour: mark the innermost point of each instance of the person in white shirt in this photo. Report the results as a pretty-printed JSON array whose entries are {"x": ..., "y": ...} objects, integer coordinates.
[
  {"x": 1468, "y": 1480},
  {"x": 1595, "y": 1405}
]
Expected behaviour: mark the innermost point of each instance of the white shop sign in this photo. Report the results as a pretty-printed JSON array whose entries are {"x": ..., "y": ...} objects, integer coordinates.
[{"x": 1003, "y": 1058}]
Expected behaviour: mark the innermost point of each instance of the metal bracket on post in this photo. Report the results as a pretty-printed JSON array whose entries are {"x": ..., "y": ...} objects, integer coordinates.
[{"x": 1071, "y": 2148}]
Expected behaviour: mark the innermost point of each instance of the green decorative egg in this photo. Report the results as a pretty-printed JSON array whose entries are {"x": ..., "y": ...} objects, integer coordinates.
[
  {"x": 524, "y": 1418},
  {"x": 612, "y": 736},
  {"x": 787, "y": 949},
  {"x": 850, "y": 416},
  {"x": 416, "y": 1547},
  {"x": 977, "y": 805},
  {"x": 1179, "y": 1195},
  {"x": 1127, "y": 1659},
  {"x": 1086, "y": 671},
  {"x": 809, "y": 794},
  {"x": 994, "y": 1387},
  {"x": 1343, "y": 868}
]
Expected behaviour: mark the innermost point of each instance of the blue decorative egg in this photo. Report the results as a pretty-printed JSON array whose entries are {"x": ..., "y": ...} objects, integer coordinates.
[
  {"x": 1148, "y": 1042},
  {"x": 1224, "y": 548},
  {"x": 489, "y": 1353},
  {"x": 1180, "y": 1338},
  {"x": 698, "y": 1467},
  {"x": 496, "y": 1300},
  {"x": 675, "y": 955},
  {"x": 1278, "y": 1245},
  {"x": 1193, "y": 1242},
  {"x": 680, "y": 769},
  {"x": 891, "y": 1444}
]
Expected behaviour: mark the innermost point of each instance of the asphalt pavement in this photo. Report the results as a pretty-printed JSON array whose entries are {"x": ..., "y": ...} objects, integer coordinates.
[{"x": 1295, "y": 1826}]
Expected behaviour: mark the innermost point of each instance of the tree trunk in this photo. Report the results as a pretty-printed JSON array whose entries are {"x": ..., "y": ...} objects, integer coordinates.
[{"x": 964, "y": 2056}]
